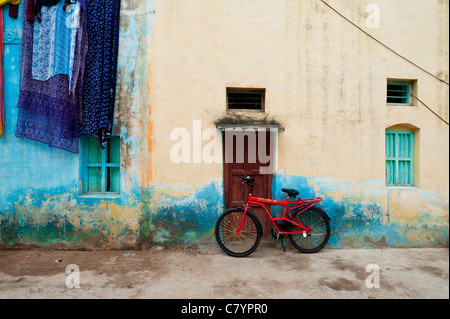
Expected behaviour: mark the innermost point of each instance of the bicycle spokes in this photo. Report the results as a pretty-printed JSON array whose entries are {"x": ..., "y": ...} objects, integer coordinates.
[
  {"x": 320, "y": 231},
  {"x": 238, "y": 243},
  {"x": 242, "y": 241}
]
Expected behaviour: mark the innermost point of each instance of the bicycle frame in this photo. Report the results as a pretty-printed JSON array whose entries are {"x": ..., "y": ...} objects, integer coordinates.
[{"x": 306, "y": 203}]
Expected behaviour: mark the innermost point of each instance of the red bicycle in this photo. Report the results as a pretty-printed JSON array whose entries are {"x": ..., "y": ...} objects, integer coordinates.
[{"x": 238, "y": 231}]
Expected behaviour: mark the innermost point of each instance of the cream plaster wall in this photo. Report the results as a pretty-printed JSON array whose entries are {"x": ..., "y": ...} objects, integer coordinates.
[{"x": 325, "y": 81}]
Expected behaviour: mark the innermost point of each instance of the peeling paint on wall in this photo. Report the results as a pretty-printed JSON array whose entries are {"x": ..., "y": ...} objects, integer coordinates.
[
  {"x": 361, "y": 212},
  {"x": 158, "y": 217},
  {"x": 186, "y": 219},
  {"x": 154, "y": 216}
]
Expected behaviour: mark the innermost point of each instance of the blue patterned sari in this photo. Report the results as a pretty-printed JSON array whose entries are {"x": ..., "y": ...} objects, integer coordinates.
[{"x": 101, "y": 68}]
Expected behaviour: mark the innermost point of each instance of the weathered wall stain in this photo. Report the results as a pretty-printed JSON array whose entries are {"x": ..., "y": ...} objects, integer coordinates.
[
  {"x": 188, "y": 219},
  {"x": 67, "y": 220},
  {"x": 360, "y": 213},
  {"x": 156, "y": 218}
]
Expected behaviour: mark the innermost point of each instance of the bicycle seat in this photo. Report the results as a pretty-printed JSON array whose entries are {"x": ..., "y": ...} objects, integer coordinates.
[
  {"x": 291, "y": 192},
  {"x": 247, "y": 179}
]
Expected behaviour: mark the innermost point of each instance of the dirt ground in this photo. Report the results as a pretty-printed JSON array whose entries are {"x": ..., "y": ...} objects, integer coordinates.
[{"x": 204, "y": 272}]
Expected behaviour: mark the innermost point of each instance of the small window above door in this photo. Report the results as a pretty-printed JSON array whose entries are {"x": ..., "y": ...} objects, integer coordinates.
[{"x": 244, "y": 99}]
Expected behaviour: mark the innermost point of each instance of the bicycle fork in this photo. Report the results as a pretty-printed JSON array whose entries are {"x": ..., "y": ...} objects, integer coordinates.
[{"x": 243, "y": 219}]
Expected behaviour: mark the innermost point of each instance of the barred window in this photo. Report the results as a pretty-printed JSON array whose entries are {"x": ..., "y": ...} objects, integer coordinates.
[
  {"x": 245, "y": 99},
  {"x": 399, "y": 92}
]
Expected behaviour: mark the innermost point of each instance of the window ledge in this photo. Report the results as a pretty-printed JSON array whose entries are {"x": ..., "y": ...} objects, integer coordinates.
[
  {"x": 267, "y": 127},
  {"x": 100, "y": 195},
  {"x": 402, "y": 105},
  {"x": 240, "y": 111},
  {"x": 399, "y": 187}
]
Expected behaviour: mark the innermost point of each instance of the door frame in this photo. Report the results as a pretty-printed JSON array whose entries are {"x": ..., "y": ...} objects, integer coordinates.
[{"x": 273, "y": 133}]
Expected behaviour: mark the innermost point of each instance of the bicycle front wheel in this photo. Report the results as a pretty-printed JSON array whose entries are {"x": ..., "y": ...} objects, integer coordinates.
[
  {"x": 238, "y": 244},
  {"x": 318, "y": 221}
]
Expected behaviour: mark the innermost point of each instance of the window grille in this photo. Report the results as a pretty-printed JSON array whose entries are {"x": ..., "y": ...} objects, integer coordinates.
[
  {"x": 239, "y": 99},
  {"x": 399, "y": 92}
]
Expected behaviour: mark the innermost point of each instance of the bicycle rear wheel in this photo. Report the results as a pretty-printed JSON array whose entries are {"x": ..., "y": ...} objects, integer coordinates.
[
  {"x": 318, "y": 221},
  {"x": 246, "y": 241}
]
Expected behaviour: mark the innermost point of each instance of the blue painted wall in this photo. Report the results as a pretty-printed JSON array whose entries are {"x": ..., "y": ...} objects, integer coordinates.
[
  {"x": 26, "y": 164},
  {"x": 361, "y": 215}
]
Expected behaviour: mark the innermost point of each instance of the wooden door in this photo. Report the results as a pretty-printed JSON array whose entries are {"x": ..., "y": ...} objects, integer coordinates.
[{"x": 246, "y": 162}]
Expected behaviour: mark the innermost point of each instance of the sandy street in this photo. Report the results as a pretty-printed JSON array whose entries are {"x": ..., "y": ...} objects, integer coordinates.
[{"x": 204, "y": 272}]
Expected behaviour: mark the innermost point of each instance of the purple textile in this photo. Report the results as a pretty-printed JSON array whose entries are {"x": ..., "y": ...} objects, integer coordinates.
[
  {"x": 47, "y": 112},
  {"x": 30, "y": 11}
]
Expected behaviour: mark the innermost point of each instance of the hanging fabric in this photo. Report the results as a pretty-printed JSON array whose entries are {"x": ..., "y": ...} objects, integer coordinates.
[
  {"x": 14, "y": 2},
  {"x": 2, "y": 106},
  {"x": 68, "y": 3},
  {"x": 47, "y": 112},
  {"x": 30, "y": 11},
  {"x": 40, "y": 3},
  {"x": 54, "y": 42},
  {"x": 101, "y": 68},
  {"x": 13, "y": 10}
]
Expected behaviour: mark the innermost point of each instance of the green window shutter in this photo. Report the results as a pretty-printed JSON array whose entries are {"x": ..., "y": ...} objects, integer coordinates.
[
  {"x": 94, "y": 169},
  {"x": 390, "y": 158},
  {"x": 102, "y": 166},
  {"x": 113, "y": 165},
  {"x": 405, "y": 159},
  {"x": 399, "y": 158}
]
